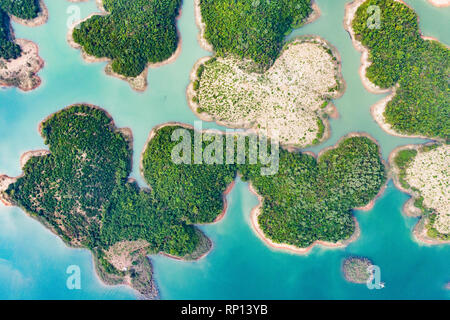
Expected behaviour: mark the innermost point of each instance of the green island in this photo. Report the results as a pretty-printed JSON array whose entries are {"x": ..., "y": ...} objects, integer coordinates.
[
  {"x": 19, "y": 59},
  {"x": 289, "y": 102},
  {"x": 251, "y": 29},
  {"x": 422, "y": 171},
  {"x": 418, "y": 69},
  {"x": 355, "y": 269},
  {"x": 132, "y": 34},
  {"x": 81, "y": 190}
]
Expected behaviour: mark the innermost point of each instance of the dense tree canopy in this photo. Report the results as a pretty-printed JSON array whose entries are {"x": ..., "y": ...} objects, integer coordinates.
[
  {"x": 309, "y": 199},
  {"x": 421, "y": 68},
  {"x": 81, "y": 189},
  {"x": 252, "y": 29},
  {"x": 133, "y": 34},
  {"x": 24, "y": 9}
]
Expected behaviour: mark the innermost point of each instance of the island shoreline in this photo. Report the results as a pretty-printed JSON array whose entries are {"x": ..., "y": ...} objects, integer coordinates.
[{"x": 142, "y": 84}]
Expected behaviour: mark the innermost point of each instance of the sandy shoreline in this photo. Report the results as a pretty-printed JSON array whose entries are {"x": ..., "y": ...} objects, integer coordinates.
[
  {"x": 41, "y": 18},
  {"x": 138, "y": 83},
  {"x": 409, "y": 209},
  {"x": 22, "y": 72}
]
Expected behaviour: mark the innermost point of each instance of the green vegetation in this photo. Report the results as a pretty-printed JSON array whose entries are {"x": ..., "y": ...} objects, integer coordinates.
[
  {"x": 192, "y": 192},
  {"x": 290, "y": 95},
  {"x": 420, "y": 68},
  {"x": 252, "y": 29},
  {"x": 82, "y": 191},
  {"x": 403, "y": 158},
  {"x": 24, "y": 9},
  {"x": 133, "y": 34},
  {"x": 356, "y": 269},
  {"x": 310, "y": 200}
]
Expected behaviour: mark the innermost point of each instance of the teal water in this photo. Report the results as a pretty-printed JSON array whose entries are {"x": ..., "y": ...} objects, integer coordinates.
[{"x": 33, "y": 261}]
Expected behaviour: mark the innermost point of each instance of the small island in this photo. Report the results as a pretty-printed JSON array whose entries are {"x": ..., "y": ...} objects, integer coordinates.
[
  {"x": 423, "y": 172},
  {"x": 131, "y": 35},
  {"x": 356, "y": 269},
  {"x": 19, "y": 58},
  {"x": 80, "y": 189},
  {"x": 290, "y": 102}
]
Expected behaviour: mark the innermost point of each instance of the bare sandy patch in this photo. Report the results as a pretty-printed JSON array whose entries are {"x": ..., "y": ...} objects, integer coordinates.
[
  {"x": 21, "y": 72},
  {"x": 428, "y": 177},
  {"x": 285, "y": 103}
]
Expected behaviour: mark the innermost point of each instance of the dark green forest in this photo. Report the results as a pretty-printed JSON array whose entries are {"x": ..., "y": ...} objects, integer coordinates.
[
  {"x": 81, "y": 189},
  {"x": 421, "y": 68},
  {"x": 133, "y": 34},
  {"x": 309, "y": 199},
  {"x": 252, "y": 29},
  {"x": 24, "y": 9}
]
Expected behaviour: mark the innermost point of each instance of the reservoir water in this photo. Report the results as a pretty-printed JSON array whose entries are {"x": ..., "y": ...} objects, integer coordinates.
[{"x": 33, "y": 261}]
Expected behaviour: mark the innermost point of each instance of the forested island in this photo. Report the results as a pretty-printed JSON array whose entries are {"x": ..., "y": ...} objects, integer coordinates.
[
  {"x": 132, "y": 35},
  {"x": 80, "y": 189},
  {"x": 19, "y": 59},
  {"x": 291, "y": 101},
  {"x": 418, "y": 69},
  {"x": 423, "y": 172}
]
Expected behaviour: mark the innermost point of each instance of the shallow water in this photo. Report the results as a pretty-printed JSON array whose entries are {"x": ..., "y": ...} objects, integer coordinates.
[{"x": 33, "y": 261}]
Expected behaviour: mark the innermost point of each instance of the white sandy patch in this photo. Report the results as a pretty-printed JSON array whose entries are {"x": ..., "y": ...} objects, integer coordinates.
[
  {"x": 284, "y": 102},
  {"x": 21, "y": 72},
  {"x": 429, "y": 173}
]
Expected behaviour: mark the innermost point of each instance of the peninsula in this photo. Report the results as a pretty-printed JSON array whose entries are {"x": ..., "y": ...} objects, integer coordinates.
[
  {"x": 397, "y": 58},
  {"x": 19, "y": 58}
]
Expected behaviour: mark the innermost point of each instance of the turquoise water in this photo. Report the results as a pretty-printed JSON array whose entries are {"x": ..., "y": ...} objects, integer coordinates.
[{"x": 33, "y": 261}]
